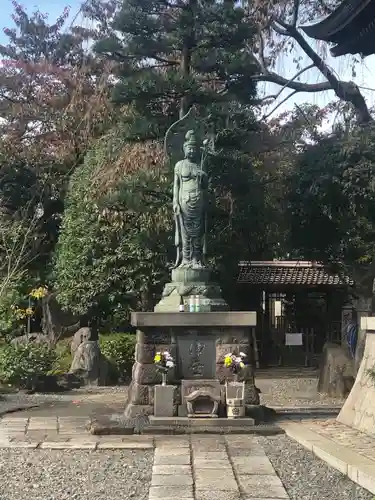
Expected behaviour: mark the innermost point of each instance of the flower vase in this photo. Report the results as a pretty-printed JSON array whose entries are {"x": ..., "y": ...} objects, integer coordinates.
[{"x": 163, "y": 378}]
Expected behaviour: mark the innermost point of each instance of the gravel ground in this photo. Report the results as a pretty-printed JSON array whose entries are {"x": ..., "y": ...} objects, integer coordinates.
[
  {"x": 289, "y": 391},
  {"x": 292, "y": 392},
  {"x": 90, "y": 395},
  {"x": 307, "y": 477},
  {"x": 75, "y": 475}
]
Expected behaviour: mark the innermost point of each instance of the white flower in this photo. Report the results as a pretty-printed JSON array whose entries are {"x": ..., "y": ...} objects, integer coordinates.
[
  {"x": 243, "y": 355},
  {"x": 169, "y": 364}
]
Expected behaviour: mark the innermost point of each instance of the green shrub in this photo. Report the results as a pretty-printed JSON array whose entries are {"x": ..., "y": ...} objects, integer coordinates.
[
  {"x": 119, "y": 349},
  {"x": 22, "y": 365},
  {"x": 64, "y": 357}
]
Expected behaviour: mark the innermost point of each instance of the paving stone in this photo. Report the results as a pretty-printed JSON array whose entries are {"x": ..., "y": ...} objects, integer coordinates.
[
  {"x": 172, "y": 452},
  {"x": 171, "y": 480},
  {"x": 215, "y": 479},
  {"x": 208, "y": 444},
  {"x": 42, "y": 423},
  {"x": 252, "y": 465},
  {"x": 210, "y": 455},
  {"x": 262, "y": 486},
  {"x": 20, "y": 444},
  {"x": 55, "y": 445},
  {"x": 118, "y": 443},
  {"x": 38, "y": 435},
  {"x": 139, "y": 439},
  {"x": 8, "y": 418},
  {"x": 13, "y": 430},
  {"x": 217, "y": 495},
  {"x": 246, "y": 452},
  {"x": 172, "y": 459},
  {"x": 78, "y": 420},
  {"x": 74, "y": 433},
  {"x": 13, "y": 425},
  {"x": 171, "y": 493},
  {"x": 198, "y": 438},
  {"x": 171, "y": 469},
  {"x": 76, "y": 444},
  {"x": 16, "y": 436},
  {"x": 201, "y": 463},
  {"x": 170, "y": 442}
]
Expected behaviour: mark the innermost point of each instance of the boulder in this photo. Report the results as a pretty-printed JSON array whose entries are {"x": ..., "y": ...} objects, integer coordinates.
[
  {"x": 336, "y": 376},
  {"x": 82, "y": 335},
  {"x": 358, "y": 411},
  {"x": 89, "y": 363}
]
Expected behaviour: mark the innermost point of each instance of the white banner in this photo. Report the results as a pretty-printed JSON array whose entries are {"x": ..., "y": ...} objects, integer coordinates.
[{"x": 293, "y": 339}]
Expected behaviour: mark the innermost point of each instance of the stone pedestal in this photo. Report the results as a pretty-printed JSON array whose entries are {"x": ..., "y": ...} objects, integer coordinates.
[
  {"x": 198, "y": 342},
  {"x": 163, "y": 400},
  {"x": 186, "y": 282}
]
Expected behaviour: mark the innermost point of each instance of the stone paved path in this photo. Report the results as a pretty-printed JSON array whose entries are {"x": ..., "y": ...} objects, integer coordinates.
[
  {"x": 62, "y": 433},
  {"x": 197, "y": 467},
  {"x": 345, "y": 436},
  {"x": 213, "y": 467}
]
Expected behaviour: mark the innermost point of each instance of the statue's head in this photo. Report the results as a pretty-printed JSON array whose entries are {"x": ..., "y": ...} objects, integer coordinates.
[{"x": 191, "y": 147}]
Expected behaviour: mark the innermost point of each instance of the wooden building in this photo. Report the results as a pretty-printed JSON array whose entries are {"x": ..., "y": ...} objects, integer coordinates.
[
  {"x": 351, "y": 27},
  {"x": 299, "y": 307}
]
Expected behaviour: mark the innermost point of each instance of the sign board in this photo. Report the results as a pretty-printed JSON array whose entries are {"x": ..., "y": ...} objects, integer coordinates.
[{"x": 293, "y": 339}]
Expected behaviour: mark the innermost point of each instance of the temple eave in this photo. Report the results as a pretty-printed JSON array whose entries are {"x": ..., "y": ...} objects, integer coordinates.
[
  {"x": 362, "y": 44},
  {"x": 332, "y": 27}
]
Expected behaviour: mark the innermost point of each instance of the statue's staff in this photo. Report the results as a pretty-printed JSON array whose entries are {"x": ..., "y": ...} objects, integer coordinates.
[
  {"x": 171, "y": 127},
  {"x": 208, "y": 147}
]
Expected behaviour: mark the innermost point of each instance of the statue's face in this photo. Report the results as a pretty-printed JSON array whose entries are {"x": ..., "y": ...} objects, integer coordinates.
[{"x": 190, "y": 151}]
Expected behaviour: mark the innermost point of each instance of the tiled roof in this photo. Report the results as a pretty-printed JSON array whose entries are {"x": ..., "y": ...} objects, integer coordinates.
[{"x": 288, "y": 273}]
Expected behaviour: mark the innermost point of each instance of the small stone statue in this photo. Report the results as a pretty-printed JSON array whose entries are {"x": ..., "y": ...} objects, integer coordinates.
[{"x": 190, "y": 206}]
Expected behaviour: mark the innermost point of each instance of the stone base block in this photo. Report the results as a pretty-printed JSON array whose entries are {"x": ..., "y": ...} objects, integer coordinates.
[
  {"x": 163, "y": 400},
  {"x": 199, "y": 422},
  {"x": 171, "y": 303},
  {"x": 198, "y": 342}
]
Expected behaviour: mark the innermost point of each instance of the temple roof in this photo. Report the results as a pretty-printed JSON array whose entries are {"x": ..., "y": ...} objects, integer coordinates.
[
  {"x": 351, "y": 26},
  {"x": 289, "y": 273}
]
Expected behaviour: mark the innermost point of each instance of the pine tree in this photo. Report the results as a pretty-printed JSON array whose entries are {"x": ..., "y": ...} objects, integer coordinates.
[{"x": 173, "y": 54}]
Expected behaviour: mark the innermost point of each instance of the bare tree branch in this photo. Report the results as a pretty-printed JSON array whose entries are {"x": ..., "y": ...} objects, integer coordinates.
[
  {"x": 287, "y": 84},
  {"x": 279, "y": 104},
  {"x": 346, "y": 91},
  {"x": 272, "y": 77},
  {"x": 295, "y": 12}
]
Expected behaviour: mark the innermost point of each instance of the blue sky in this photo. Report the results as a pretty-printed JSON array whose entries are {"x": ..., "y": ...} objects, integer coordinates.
[{"x": 53, "y": 7}]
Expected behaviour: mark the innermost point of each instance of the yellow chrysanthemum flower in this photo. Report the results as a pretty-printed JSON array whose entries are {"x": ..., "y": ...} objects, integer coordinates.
[
  {"x": 157, "y": 358},
  {"x": 29, "y": 311},
  {"x": 227, "y": 361},
  {"x": 242, "y": 365}
]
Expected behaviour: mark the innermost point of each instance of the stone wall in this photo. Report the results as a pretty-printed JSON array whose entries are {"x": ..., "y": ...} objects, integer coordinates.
[{"x": 199, "y": 353}]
